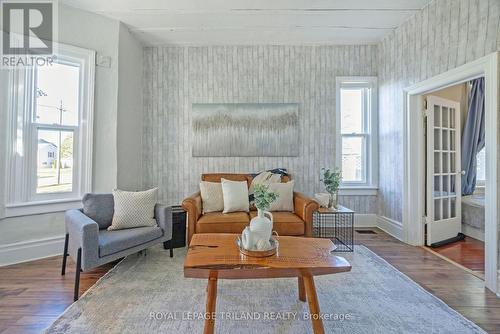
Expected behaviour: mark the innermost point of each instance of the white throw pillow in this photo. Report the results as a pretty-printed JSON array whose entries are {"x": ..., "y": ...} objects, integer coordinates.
[
  {"x": 134, "y": 209},
  {"x": 211, "y": 196},
  {"x": 284, "y": 202},
  {"x": 235, "y": 195}
]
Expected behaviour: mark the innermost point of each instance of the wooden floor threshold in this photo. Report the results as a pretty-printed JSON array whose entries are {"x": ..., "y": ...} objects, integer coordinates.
[{"x": 470, "y": 271}]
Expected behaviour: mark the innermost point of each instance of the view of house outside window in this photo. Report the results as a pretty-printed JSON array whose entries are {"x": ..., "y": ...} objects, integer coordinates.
[{"x": 55, "y": 117}]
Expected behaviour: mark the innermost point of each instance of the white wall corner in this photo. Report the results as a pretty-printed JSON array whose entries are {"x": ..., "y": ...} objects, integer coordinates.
[
  {"x": 391, "y": 227},
  {"x": 31, "y": 250}
]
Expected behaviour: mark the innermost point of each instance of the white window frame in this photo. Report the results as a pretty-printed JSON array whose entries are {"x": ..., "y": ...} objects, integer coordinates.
[
  {"x": 370, "y": 133},
  {"x": 21, "y": 197}
]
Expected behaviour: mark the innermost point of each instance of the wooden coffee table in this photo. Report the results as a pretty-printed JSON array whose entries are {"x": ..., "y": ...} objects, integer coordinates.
[{"x": 214, "y": 256}]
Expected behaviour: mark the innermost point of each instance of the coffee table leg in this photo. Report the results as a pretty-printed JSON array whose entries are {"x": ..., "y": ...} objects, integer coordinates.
[
  {"x": 211, "y": 301},
  {"x": 302, "y": 289},
  {"x": 312, "y": 299}
]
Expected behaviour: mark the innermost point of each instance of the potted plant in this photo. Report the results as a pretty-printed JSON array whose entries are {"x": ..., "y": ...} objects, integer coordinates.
[
  {"x": 331, "y": 179},
  {"x": 258, "y": 234},
  {"x": 263, "y": 197}
]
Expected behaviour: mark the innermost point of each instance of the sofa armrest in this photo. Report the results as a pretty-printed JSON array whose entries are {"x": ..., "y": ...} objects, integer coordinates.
[
  {"x": 304, "y": 208},
  {"x": 193, "y": 206},
  {"x": 83, "y": 233},
  {"x": 163, "y": 216}
]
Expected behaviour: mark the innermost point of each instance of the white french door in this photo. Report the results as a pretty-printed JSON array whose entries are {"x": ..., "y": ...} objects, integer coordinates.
[{"x": 444, "y": 193}]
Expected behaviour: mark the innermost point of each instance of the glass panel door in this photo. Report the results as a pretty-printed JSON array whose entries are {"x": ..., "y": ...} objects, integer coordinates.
[{"x": 443, "y": 160}]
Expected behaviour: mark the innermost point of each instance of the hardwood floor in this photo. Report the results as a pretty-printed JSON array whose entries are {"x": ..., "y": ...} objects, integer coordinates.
[
  {"x": 34, "y": 294},
  {"x": 468, "y": 253},
  {"x": 458, "y": 288}
]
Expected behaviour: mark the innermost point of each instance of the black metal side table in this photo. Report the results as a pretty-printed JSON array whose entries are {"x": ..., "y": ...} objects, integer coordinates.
[
  {"x": 337, "y": 225},
  {"x": 178, "y": 228}
]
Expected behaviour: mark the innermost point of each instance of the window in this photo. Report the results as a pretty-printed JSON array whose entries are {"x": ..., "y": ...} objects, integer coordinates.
[
  {"x": 50, "y": 117},
  {"x": 481, "y": 168},
  {"x": 357, "y": 132}
]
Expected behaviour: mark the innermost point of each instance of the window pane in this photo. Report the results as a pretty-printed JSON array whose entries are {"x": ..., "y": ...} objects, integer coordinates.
[
  {"x": 351, "y": 110},
  {"x": 352, "y": 159},
  {"x": 57, "y": 89},
  {"x": 54, "y": 161},
  {"x": 481, "y": 165}
]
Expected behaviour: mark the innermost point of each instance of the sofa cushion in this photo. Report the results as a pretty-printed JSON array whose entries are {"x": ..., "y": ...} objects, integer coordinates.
[
  {"x": 285, "y": 223},
  {"x": 99, "y": 208},
  {"x": 111, "y": 242},
  {"x": 211, "y": 196},
  {"x": 235, "y": 196},
  {"x": 217, "y": 222},
  {"x": 284, "y": 202}
]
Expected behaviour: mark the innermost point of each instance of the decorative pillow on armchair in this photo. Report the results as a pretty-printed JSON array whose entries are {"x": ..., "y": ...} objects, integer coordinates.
[{"x": 134, "y": 209}]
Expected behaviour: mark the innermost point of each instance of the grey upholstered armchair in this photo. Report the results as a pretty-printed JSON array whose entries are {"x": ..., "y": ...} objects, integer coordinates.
[{"x": 90, "y": 244}]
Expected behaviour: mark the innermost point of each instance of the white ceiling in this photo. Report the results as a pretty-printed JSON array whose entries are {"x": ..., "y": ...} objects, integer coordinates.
[{"x": 249, "y": 22}]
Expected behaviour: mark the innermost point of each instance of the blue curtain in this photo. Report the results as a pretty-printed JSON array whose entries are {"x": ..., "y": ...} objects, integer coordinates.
[{"x": 473, "y": 139}]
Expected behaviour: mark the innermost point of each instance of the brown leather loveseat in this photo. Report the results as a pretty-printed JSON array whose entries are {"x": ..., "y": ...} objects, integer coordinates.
[{"x": 297, "y": 223}]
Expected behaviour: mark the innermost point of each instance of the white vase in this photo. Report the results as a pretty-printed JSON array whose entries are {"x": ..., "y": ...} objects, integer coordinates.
[
  {"x": 334, "y": 201},
  {"x": 261, "y": 225}
]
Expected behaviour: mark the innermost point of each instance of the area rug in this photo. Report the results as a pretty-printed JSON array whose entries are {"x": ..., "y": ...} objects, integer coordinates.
[{"x": 148, "y": 294}]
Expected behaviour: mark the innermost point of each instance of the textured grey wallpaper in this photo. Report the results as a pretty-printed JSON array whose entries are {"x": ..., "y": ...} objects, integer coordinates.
[
  {"x": 177, "y": 77},
  {"x": 444, "y": 35}
]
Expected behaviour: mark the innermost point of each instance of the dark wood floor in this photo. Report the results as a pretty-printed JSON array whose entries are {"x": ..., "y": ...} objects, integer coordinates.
[
  {"x": 468, "y": 253},
  {"x": 32, "y": 295}
]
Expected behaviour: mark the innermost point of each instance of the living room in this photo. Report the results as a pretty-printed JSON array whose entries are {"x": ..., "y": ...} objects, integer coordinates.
[{"x": 147, "y": 147}]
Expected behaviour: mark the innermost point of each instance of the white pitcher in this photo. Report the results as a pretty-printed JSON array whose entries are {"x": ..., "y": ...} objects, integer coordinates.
[
  {"x": 257, "y": 235},
  {"x": 262, "y": 226}
]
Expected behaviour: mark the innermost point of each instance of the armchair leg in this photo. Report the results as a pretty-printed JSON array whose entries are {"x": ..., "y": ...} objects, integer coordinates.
[
  {"x": 77, "y": 274},
  {"x": 65, "y": 254},
  {"x": 169, "y": 245}
]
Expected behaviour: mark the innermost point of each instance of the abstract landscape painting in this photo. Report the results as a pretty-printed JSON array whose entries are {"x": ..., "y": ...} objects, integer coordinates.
[{"x": 245, "y": 130}]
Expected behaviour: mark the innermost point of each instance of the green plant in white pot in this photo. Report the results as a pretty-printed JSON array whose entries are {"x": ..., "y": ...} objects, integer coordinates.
[
  {"x": 331, "y": 179},
  {"x": 257, "y": 235}
]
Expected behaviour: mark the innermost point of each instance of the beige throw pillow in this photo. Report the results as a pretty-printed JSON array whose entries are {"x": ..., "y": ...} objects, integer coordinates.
[
  {"x": 235, "y": 194},
  {"x": 211, "y": 196},
  {"x": 284, "y": 202},
  {"x": 134, "y": 209}
]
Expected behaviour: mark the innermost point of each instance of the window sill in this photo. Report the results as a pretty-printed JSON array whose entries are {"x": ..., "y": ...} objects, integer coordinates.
[
  {"x": 40, "y": 207},
  {"x": 358, "y": 191}
]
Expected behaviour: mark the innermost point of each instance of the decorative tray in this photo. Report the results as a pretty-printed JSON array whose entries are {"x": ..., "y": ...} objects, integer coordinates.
[{"x": 258, "y": 253}]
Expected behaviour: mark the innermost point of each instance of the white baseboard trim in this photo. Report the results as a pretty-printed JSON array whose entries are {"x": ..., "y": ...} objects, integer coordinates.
[
  {"x": 498, "y": 277},
  {"x": 391, "y": 227},
  {"x": 365, "y": 220},
  {"x": 30, "y": 250},
  {"x": 473, "y": 232}
]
